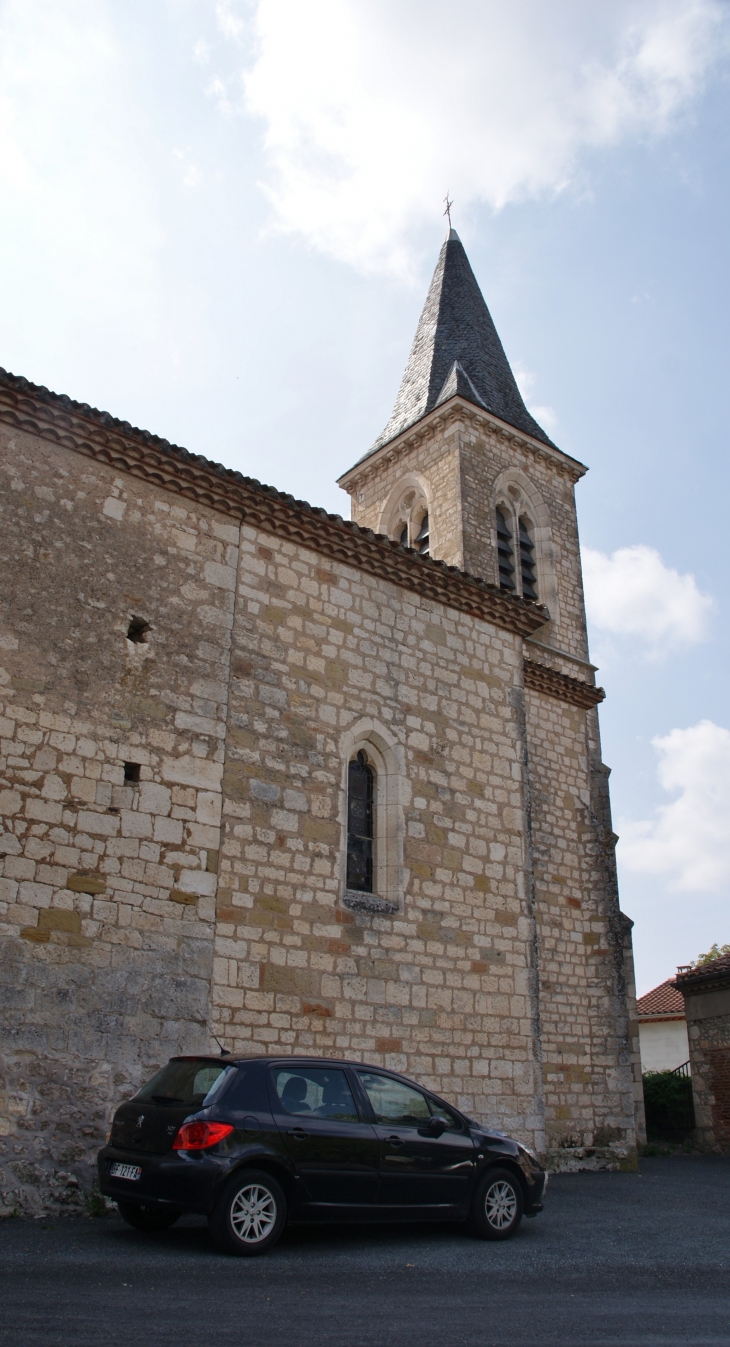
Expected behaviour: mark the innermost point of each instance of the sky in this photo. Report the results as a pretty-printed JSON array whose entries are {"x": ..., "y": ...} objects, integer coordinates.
[{"x": 218, "y": 221}]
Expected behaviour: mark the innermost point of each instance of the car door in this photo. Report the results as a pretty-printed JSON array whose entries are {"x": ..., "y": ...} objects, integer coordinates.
[
  {"x": 334, "y": 1150},
  {"x": 417, "y": 1167}
]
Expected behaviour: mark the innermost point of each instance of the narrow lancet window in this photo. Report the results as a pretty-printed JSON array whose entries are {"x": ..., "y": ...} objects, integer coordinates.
[
  {"x": 360, "y": 820},
  {"x": 528, "y": 569},
  {"x": 505, "y": 551},
  {"x": 403, "y": 535},
  {"x": 422, "y": 541}
]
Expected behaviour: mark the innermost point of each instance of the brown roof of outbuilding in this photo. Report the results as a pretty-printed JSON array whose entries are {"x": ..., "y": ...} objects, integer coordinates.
[
  {"x": 661, "y": 1002},
  {"x": 706, "y": 976}
]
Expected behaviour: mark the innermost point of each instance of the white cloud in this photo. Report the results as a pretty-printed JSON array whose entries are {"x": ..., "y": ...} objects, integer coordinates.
[
  {"x": 632, "y": 593},
  {"x": 78, "y": 208},
  {"x": 372, "y": 109},
  {"x": 689, "y": 839},
  {"x": 230, "y": 24}
]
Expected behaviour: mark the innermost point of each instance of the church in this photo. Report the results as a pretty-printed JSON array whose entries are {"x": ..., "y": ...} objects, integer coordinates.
[{"x": 297, "y": 783}]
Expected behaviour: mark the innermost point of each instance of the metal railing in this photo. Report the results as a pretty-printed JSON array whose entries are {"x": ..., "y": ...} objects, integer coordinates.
[{"x": 683, "y": 1070}]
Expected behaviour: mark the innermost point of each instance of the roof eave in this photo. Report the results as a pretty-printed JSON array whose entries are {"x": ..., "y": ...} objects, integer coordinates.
[
  {"x": 576, "y": 468},
  {"x": 97, "y": 435}
]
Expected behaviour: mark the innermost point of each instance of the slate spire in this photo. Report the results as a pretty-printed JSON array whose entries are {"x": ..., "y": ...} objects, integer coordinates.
[{"x": 456, "y": 350}]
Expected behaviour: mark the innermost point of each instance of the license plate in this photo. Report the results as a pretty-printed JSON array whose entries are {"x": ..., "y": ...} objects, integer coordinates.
[{"x": 118, "y": 1171}]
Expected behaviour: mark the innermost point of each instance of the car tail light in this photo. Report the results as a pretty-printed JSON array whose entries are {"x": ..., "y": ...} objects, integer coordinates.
[{"x": 197, "y": 1136}]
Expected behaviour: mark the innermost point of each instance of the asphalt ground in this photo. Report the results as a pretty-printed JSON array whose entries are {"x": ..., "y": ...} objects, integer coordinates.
[{"x": 613, "y": 1259}]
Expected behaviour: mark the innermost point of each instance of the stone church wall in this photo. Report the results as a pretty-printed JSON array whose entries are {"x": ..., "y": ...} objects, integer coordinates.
[
  {"x": 107, "y": 896},
  {"x": 461, "y": 459},
  {"x": 132, "y": 924},
  {"x": 490, "y": 456},
  {"x": 587, "y": 1063},
  {"x": 324, "y": 656}
]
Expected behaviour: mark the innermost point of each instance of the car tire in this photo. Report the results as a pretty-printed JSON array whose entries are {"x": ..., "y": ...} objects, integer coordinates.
[
  {"x": 249, "y": 1215},
  {"x": 498, "y": 1205},
  {"x": 147, "y": 1218}
]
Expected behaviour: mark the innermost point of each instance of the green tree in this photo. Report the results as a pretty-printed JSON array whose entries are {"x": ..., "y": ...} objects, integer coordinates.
[{"x": 711, "y": 954}]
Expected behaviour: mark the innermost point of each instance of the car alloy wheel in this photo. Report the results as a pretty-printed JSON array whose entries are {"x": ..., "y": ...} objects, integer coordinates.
[
  {"x": 253, "y": 1213},
  {"x": 250, "y": 1213},
  {"x": 498, "y": 1205}
]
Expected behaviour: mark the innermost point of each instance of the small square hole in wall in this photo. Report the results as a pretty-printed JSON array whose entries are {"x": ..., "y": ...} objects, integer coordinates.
[
  {"x": 131, "y": 773},
  {"x": 137, "y": 630}
]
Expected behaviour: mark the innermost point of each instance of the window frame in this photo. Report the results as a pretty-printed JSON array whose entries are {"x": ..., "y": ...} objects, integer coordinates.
[
  {"x": 409, "y": 502},
  {"x": 361, "y": 761},
  {"x": 518, "y": 498},
  {"x": 392, "y": 791}
]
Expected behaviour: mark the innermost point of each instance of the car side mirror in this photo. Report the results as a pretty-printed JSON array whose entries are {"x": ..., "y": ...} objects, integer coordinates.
[{"x": 437, "y": 1125}]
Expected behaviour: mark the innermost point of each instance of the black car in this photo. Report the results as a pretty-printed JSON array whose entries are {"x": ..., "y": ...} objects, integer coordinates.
[{"x": 254, "y": 1142}]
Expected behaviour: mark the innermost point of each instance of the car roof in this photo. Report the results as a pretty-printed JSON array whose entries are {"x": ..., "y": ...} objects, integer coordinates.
[
  {"x": 282, "y": 1059},
  {"x": 234, "y": 1058}
]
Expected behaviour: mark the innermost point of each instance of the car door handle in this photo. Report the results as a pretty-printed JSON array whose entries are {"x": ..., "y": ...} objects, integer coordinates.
[
  {"x": 298, "y": 1133},
  {"x": 394, "y": 1141}
]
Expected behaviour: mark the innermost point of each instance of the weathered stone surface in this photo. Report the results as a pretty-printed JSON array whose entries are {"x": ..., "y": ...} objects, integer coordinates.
[
  {"x": 106, "y": 935},
  {"x": 173, "y": 810}
]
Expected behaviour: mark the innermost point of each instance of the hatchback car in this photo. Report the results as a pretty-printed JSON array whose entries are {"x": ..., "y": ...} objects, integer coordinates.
[{"x": 253, "y": 1143}]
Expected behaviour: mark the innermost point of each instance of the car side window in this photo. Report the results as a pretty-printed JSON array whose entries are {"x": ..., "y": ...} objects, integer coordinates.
[
  {"x": 441, "y": 1111},
  {"x": 394, "y": 1102},
  {"x": 315, "y": 1092}
]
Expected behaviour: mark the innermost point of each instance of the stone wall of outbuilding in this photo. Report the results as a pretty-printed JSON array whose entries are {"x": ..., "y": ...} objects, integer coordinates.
[{"x": 706, "y": 991}]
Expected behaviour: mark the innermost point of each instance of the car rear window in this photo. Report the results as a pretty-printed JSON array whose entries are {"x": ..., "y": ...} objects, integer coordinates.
[
  {"x": 192, "y": 1081},
  {"x": 323, "y": 1092}
]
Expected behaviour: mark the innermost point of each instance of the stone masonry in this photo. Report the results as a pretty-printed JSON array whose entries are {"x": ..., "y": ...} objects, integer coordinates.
[
  {"x": 706, "y": 992},
  {"x": 189, "y": 661}
]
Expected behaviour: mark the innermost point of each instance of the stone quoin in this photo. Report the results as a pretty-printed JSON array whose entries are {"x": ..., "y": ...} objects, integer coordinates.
[{"x": 305, "y": 784}]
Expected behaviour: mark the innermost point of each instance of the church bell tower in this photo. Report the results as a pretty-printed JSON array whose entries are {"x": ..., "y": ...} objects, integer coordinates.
[{"x": 463, "y": 473}]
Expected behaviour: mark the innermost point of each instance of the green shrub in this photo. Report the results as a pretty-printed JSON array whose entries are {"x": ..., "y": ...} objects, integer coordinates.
[{"x": 669, "y": 1105}]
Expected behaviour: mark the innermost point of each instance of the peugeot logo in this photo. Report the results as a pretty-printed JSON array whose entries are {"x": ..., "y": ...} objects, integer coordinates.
[{"x": 139, "y": 1122}]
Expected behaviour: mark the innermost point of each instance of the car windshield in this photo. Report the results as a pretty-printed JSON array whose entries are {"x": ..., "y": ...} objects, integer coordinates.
[{"x": 193, "y": 1082}]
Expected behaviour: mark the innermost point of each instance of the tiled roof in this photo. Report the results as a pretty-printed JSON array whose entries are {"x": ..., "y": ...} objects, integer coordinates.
[
  {"x": 661, "y": 1002},
  {"x": 706, "y": 975},
  {"x": 76, "y": 425},
  {"x": 456, "y": 350}
]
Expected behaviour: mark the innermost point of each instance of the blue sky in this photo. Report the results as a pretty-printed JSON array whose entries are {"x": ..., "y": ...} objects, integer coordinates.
[{"x": 218, "y": 221}]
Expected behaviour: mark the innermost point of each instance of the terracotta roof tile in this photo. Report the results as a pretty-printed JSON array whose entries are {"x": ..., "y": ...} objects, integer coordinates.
[
  {"x": 715, "y": 973},
  {"x": 666, "y": 999}
]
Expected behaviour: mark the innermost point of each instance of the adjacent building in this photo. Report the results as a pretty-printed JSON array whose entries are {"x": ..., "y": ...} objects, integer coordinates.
[
  {"x": 663, "y": 1028},
  {"x": 706, "y": 993}
]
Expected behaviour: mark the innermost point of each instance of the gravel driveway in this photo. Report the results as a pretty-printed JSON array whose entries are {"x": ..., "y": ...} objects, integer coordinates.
[{"x": 614, "y": 1258}]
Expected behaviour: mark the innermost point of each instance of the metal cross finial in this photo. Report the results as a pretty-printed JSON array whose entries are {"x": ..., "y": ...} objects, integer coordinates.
[{"x": 449, "y": 204}]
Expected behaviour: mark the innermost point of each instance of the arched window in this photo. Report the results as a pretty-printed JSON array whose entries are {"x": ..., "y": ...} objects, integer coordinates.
[
  {"x": 505, "y": 549},
  {"x": 528, "y": 566},
  {"x": 360, "y": 824},
  {"x": 406, "y": 515}
]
